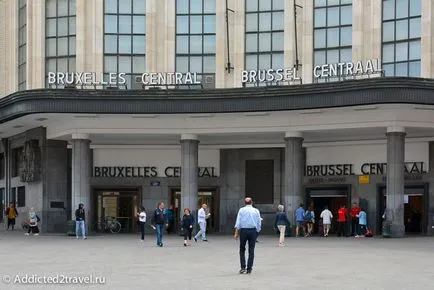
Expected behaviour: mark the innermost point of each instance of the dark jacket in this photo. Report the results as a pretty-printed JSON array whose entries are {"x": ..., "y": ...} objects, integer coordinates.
[
  {"x": 281, "y": 219},
  {"x": 187, "y": 221},
  {"x": 159, "y": 217},
  {"x": 79, "y": 214}
]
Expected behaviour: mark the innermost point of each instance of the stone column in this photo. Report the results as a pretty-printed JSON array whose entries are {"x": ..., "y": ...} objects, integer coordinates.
[
  {"x": 293, "y": 195},
  {"x": 81, "y": 174},
  {"x": 430, "y": 224},
  {"x": 395, "y": 181},
  {"x": 189, "y": 174}
]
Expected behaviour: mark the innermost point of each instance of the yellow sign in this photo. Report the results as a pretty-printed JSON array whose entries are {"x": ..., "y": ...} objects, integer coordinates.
[{"x": 364, "y": 179}]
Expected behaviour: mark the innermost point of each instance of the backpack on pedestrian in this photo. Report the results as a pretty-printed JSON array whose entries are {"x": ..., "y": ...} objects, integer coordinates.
[{"x": 308, "y": 216}]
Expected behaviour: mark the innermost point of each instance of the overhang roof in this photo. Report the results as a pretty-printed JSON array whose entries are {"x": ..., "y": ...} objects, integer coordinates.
[{"x": 274, "y": 98}]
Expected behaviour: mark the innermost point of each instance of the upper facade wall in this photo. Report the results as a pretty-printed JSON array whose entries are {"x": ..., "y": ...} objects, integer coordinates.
[{"x": 137, "y": 36}]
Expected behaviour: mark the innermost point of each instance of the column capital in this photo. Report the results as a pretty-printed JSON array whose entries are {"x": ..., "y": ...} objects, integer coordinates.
[
  {"x": 395, "y": 129},
  {"x": 293, "y": 134},
  {"x": 189, "y": 137},
  {"x": 80, "y": 136}
]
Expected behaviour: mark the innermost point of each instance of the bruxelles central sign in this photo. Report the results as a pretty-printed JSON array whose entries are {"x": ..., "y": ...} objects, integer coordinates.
[{"x": 147, "y": 171}]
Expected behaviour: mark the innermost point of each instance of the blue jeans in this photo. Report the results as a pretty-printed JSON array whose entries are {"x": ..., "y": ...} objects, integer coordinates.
[
  {"x": 159, "y": 231},
  {"x": 247, "y": 235},
  {"x": 80, "y": 225},
  {"x": 202, "y": 231}
]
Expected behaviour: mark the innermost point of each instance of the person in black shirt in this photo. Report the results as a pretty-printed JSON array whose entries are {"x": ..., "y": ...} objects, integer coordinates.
[
  {"x": 80, "y": 221},
  {"x": 187, "y": 225},
  {"x": 159, "y": 219}
]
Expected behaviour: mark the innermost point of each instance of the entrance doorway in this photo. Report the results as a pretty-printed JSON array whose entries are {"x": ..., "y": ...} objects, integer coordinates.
[
  {"x": 116, "y": 204},
  {"x": 333, "y": 198},
  {"x": 207, "y": 196},
  {"x": 415, "y": 212}
]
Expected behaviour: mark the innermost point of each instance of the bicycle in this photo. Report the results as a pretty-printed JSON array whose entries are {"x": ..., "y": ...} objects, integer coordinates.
[{"x": 108, "y": 224}]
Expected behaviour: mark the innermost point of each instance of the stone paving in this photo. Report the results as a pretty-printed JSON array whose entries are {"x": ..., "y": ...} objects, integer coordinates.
[{"x": 305, "y": 263}]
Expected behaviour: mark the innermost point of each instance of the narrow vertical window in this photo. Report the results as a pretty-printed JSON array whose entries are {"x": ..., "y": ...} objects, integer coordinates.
[
  {"x": 125, "y": 40},
  {"x": 196, "y": 37},
  {"x": 60, "y": 36},
  {"x": 332, "y": 35},
  {"x": 22, "y": 44},
  {"x": 401, "y": 49},
  {"x": 264, "y": 36}
]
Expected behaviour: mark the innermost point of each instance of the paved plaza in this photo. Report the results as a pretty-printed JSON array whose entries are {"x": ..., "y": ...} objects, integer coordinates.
[{"x": 305, "y": 263}]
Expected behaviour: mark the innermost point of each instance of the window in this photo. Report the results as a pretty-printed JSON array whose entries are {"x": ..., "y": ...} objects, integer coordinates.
[
  {"x": 60, "y": 27},
  {"x": 401, "y": 48},
  {"x": 2, "y": 166},
  {"x": 21, "y": 196},
  {"x": 332, "y": 33},
  {"x": 13, "y": 196},
  {"x": 125, "y": 39},
  {"x": 260, "y": 180},
  {"x": 16, "y": 160},
  {"x": 264, "y": 37},
  {"x": 196, "y": 37},
  {"x": 22, "y": 44}
]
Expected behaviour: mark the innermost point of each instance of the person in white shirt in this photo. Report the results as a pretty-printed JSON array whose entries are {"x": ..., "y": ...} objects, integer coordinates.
[
  {"x": 326, "y": 216},
  {"x": 201, "y": 220},
  {"x": 142, "y": 222}
]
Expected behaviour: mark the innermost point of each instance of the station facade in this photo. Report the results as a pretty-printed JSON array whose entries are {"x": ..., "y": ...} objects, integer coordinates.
[{"x": 123, "y": 105}]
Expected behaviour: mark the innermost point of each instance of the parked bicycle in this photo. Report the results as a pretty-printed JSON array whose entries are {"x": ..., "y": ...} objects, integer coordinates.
[{"x": 108, "y": 224}]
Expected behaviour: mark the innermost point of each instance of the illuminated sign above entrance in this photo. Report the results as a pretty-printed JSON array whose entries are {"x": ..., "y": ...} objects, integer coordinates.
[
  {"x": 146, "y": 171},
  {"x": 365, "y": 168}
]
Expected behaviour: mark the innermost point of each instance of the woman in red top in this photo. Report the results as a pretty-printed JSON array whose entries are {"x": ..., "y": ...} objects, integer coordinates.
[{"x": 355, "y": 210}]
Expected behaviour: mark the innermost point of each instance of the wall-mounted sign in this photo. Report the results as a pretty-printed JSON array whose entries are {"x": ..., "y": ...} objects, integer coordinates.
[
  {"x": 146, "y": 171},
  {"x": 323, "y": 180},
  {"x": 149, "y": 79},
  {"x": 364, "y": 179},
  {"x": 346, "y": 69},
  {"x": 365, "y": 168}
]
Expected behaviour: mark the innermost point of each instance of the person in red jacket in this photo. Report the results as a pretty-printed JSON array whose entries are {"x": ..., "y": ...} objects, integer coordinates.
[
  {"x": 342, "y": 221},
  {"x": 355, "y": 210}
]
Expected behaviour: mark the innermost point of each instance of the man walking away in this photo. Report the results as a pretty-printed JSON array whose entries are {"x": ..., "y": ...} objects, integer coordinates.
[
  {"x": 299, "y": 218},
  {"x": 247, "y": 227},
  {"x": 342, "y": 221},
  {"x": 11, "y": 213},
  {"x": 355, "y": 210},
  {"x": 159, "y": 219},
  {"x": 326, "y": 216},
  {"x": 142, "y": 222},
  {"x": 201, "y": 219},
  {"x": 362, "y": 223},
  {"x": 80, "y": 221},
  {"x": 281, "y": 223}
]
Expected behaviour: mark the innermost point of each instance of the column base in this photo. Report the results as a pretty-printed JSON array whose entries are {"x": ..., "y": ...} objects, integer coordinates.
[{"x": 393, "y": 230}]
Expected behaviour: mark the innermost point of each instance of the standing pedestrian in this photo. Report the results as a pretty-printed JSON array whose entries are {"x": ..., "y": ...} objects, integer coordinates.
[
  {"x": 159, "y": 219},
  {"x": 33, "y": 223},
  {"x": 310, "y": 220},
  {"x": 281, "y": 223},
  {"x": 362, "y": 216},
  {"x": 170, "y": 219},
  {"x": 326, "y": 216},
  {"x": 11, "y": 213},
  {"x": 202, "y": 216},
  {"x": 299, "y": 218},
  {"x": 142, "y": 222},
  {"x": 355, "y": 210},
  {"x": 247, "y": 227},
  {"x": 80, "y": 218},
  {"x": 342, "y": 221},
  {"x": 187, "y": 225}
]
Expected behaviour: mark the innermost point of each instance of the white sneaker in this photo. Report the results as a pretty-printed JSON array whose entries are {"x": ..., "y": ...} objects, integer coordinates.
[
  {"x": 36, "y": 234},
  {"x": 27, "y": 234}
]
